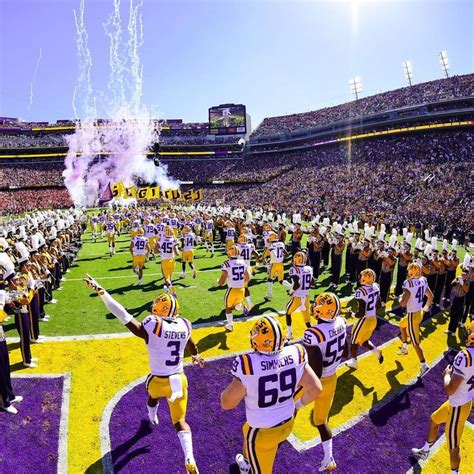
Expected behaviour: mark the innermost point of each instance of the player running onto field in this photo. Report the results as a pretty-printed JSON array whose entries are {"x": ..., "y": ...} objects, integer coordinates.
[
  {"x": 166, "y": 335},
  {"x": 267, "y": 380},
  {"x": 139, "y": 248},
  {"x": 188, "y": 241},
  {"x": 326, "y": 343}
]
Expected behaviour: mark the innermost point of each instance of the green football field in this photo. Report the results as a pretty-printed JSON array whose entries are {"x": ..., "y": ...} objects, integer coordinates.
[{"x": 78, "y": 311}]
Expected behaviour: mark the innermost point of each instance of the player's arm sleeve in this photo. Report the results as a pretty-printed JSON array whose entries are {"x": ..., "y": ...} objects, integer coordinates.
[
  {"x": 460, "y": 364},
  {"x": 236, "y": 370},
  {"x": 405, "y": 285},
  {"x": 116, "y": 308}
]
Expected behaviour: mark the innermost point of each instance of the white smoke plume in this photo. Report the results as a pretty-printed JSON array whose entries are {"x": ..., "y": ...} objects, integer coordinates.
[
  {"x": 103, "y": 152},
  {"x": 35, "y": 72}
]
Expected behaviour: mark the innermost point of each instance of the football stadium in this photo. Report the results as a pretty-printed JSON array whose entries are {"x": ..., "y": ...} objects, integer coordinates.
[{"x": 281, "y": 281}]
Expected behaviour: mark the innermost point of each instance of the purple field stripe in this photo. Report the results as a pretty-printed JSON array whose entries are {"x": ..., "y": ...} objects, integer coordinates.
[
  {"x": 381, "y": 442},
  {"x": 30, "y": 439}
]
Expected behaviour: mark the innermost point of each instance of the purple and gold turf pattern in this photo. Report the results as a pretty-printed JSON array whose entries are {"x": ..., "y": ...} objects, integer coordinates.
[
  {"x": 30, "y": 439},
  {"x": 380, "y": 442}
]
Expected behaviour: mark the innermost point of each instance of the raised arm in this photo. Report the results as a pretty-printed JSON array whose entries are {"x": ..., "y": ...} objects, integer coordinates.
[{"x": 134, "y": 326}]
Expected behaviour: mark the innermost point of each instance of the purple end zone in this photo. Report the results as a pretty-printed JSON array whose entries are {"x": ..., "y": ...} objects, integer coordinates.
[
  {"x": 30, "y": 439},
  {"x": 381, "y": 442}
]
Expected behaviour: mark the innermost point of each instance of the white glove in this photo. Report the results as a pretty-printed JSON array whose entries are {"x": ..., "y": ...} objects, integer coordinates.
[{"x": 426, "y": 308}]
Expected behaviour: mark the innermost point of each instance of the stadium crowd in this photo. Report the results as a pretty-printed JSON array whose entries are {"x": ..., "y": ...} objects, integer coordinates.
[{"x": 442, "y": 89}]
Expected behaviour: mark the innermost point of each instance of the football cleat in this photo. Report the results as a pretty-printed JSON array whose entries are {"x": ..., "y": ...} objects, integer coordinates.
[
  {"x": 244, "y": 466},
  {"x": 229, "y": 327},
  {"x": 154, "y": 421},
  {"x": 10, "y": 410},
  {"x": 420, "y": 453},
  {"x": 327, "y": 465},
  {"x": 30, "y": 365},
  {"x": 403, "y": 350},
  {"x": 17, "y": 399},
  {"x": 423, "y": 370},
  {"x": 268, "y": 296}
]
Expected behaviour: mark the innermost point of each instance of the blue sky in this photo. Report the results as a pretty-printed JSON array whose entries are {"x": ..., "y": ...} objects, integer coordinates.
[{"x": 276, "y": 57}]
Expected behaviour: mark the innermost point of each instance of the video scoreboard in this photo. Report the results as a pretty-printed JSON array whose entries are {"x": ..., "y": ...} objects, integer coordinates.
[{"x": 227, "y": 119}]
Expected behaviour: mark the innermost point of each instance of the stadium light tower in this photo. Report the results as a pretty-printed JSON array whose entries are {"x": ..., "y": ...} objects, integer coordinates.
[
  {"x": 356, "y": 86},
  {"x": 443, "y": 60},
  {"x": 408, "y": 69}
]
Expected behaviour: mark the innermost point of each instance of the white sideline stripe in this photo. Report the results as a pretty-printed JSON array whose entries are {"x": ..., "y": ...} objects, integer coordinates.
[
  {"x": 64, "y": 418},
  {"x": 311, "y": 443},
  {"x": 105, "y": 445},
  {"x": 123, "y": 335},
  {"x": 418, "y": 467}
]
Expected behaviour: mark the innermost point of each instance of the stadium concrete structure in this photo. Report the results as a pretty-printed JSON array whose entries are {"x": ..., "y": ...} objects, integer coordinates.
[{"x": 83, "y": 408}]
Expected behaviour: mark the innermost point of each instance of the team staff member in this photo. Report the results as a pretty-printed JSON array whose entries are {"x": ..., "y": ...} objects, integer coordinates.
[
  {"x": 267, "y": 380},
  {"x": 460, "y": 288},
  {"x": 329, "y": 332},
  {"x": 459, "y": 386},
  {"x": 166, "y": 335}
]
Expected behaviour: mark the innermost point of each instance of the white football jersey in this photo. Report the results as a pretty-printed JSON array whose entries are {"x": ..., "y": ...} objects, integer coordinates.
[
  {"x": 159, "y": 229},
  {"x": 330, "y": 337},
  {"x": 305, "y": 277},
  {"x": 209, "y": 225},
  {"x": 245, "y": 252},
  {"x": 277, "y": 254},
  {"x": 229, "y": 233},
  {"x": 417, "y": 288},
  {"x": 167, "y": 245},
  {"x": 235, "y": 269},
  {"x": 150, "y": 230},
  {"x": 270, "y": 381},
  {"x": 370, "y": 295},
  {"x": 173, "y": 222},
  {"x": 189, "y": 240},
  {"x": 167, "y": 341},
  {"x": 265, "y": 235},
  {"x": 463, "y": 366},
  {"x": 110, "y": 227},
  {"x": 139, "y": 245}
]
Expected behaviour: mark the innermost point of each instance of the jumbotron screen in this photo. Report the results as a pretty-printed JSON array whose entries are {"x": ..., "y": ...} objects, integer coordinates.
[{"x": 227, "y": 119}]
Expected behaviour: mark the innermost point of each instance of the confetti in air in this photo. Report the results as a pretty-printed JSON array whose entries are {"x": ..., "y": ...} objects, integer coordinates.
[{"x": 114, "y": 149}]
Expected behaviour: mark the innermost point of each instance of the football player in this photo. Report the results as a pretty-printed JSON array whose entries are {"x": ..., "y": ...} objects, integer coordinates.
[
  {"x": 139, "y": 248},
  {"x": 150, "y": 234},
  {"x": 168, "y": 250},
  {"x": 209, "y": 233},
  {"x": 111, "y": 229},
  {"x": 166, "y": 335},
  {"x": 415, "y": 289},
  {"x": 459, "y": 385},
  {"x": 94, "y": 226},
  {"x": 278, "y": 254},
  {"x": 229, "y": 233},
  {"x": 368, "y": 301},
  {"x": 267, "y": 379},
  {"x": 234, "y": 271},
  {"x": 325, "y": 344},
  {"x": 188, "y": 241},
  {"x": 301, "y": 276},
  {"x": 246, "y": 252}
]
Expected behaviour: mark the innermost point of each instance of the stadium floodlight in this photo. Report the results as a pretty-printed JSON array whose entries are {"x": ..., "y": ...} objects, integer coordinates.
[
  {"x": 356, "y": 86},
  {"x": 443, "y": 60},
  {"x": 408, "y": 69}
]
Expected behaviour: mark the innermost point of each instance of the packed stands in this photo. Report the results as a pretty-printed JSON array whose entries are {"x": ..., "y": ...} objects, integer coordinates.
[
  {"x": 439, "y": 90},
  {"x": 22, "y": 200}
]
